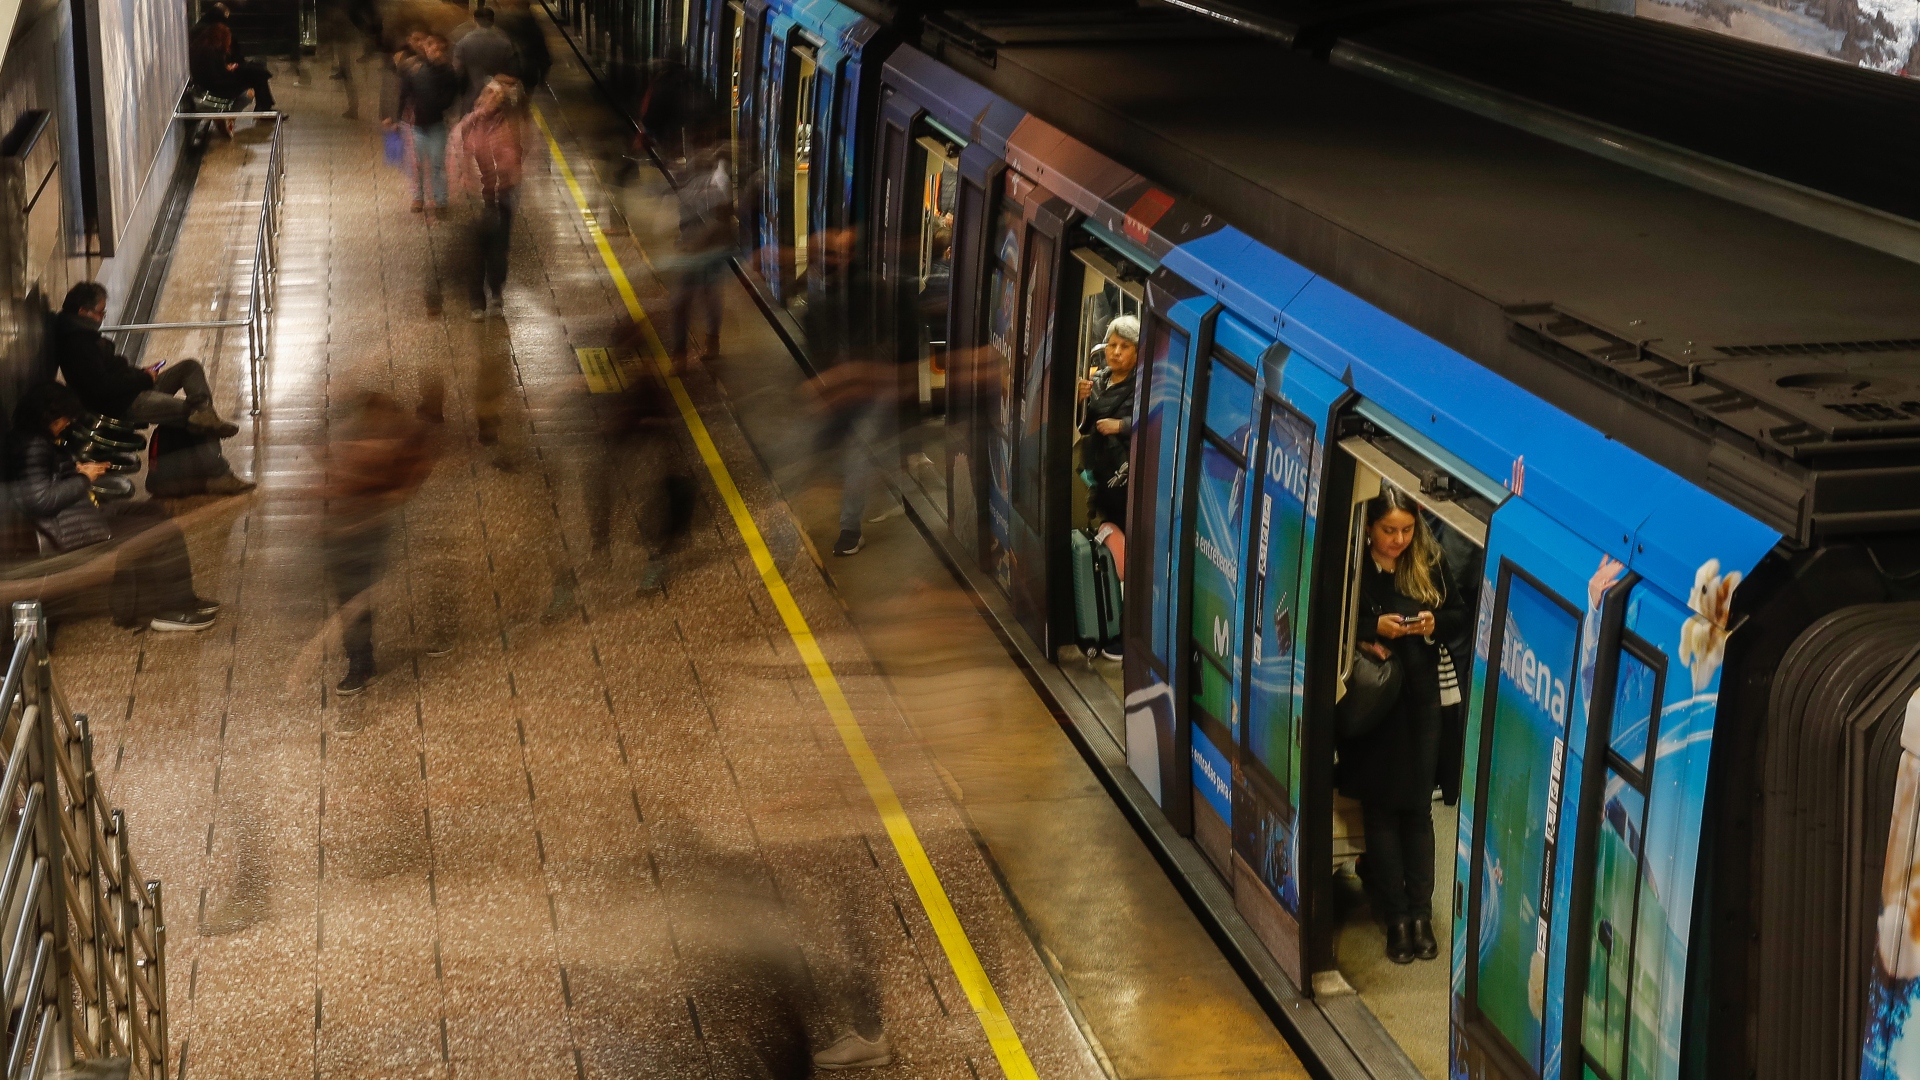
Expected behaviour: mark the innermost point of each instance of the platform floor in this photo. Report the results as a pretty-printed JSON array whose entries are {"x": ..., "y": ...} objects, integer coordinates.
[{"x": 542, "y": 854}]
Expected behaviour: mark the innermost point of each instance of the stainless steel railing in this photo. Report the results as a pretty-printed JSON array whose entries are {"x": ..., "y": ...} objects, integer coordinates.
[
  {"x": 264, "y": 275},
  {"x": 82, "y": 942}
]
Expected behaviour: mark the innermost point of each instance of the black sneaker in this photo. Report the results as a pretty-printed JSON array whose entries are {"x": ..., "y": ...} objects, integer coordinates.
[
  {"x": 205, "y": 606},
  {"x": 850, "y": 542},
  {"x": 190, "y": 621},
  {"x": 1112, "y": 651},
  {"x": 355, "y": 682}
]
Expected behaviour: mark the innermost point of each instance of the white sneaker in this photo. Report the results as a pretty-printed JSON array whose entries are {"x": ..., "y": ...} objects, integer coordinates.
[{"x": 854, "y": 1052}]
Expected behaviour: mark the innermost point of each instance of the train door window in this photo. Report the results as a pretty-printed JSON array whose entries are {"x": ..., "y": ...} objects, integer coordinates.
[
  {"x": 1618, "y": 1038},
  {"x": 733, "y": 43},
  {"x": 1451, "y": 534},
  {"x": 928, "y": 263},
  {"x": 996, "y": 380},
  {"x": 803, "y": 71}
]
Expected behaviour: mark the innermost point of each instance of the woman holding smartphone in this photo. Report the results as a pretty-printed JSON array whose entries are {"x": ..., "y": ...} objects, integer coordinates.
[{"x": 1406, "y": 609}]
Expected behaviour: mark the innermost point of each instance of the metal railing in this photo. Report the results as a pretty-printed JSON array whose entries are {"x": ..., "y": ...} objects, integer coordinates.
[
  {"x": 82, "y": 942},
  {"x": 266, "y": 260}
]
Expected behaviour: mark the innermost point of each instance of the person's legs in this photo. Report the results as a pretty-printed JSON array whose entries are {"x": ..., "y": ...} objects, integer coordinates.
[
  {"x": 711, "y": 299},
  {"x": 257, "y": 78},
  {"x": 187, "y": 376},
  {"x": 1386, "y": 873},
  {"x": 155, "y": 570},
  {"x": 1416, "y": 853},
  {"x": 499, "y": 242},
  {"x": 430, "y": 143},
  {"x": 856, "y": 474},
  {"x": 154, "y": 407},
  {"x": 353, "y": 564}
]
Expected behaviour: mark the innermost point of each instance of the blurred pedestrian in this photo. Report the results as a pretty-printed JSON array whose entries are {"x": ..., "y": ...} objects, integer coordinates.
[
  {"x": 481, "y": 55},
  {"x": 429, "y": 89},
  {"x": 708, "y": 235},
  {"x": 641, "y": 463},
  {"x": 378, "y": 460},
  {"x": 488, "y": 148},
  {"x": 517, "y": 21},
  {"x": 852, "y": 387}
]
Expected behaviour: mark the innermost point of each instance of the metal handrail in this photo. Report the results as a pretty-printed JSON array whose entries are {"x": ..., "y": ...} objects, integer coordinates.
[
  {"x": 266, "y": 260},
  {"x": 83, "y": 954}
]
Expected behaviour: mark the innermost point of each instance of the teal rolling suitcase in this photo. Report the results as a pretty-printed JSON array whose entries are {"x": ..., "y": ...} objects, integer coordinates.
[{"x": 1096, "y": 592}]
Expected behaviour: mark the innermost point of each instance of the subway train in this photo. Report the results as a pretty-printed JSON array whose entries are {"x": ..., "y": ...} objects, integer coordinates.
[{"x": 1659, "y": 407}]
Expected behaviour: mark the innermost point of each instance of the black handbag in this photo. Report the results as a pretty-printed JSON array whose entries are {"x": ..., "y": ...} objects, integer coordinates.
[{"x": 1373, "y": 687}]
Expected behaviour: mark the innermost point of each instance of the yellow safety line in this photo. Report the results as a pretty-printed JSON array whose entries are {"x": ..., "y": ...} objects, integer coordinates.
[{"x": 933, "y": 896}]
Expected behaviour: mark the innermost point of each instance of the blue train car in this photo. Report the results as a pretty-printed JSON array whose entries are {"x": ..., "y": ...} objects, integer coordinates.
[{"x": 1666, "y": 443}]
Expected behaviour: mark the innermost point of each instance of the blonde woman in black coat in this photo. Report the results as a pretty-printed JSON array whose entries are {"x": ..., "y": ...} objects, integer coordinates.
[{"x": 1406, "y": 609}]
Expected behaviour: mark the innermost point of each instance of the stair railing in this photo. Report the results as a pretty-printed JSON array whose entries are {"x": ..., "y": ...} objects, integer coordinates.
[{"x": 82, "y": 941}]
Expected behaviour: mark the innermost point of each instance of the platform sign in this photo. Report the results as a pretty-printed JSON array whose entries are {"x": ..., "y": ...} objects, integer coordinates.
[{"x": 608, "y": 371}]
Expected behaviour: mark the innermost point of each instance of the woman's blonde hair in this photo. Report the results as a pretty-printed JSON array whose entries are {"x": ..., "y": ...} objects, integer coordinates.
[{"x": 1415, "y": 574}]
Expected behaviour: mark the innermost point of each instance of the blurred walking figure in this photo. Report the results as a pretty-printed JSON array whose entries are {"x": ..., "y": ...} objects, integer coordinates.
[
  {"x": 429, "y": 88},
  {"x": 852, "y": 388},
  {"x": 377, "y": 462},
  {"x": 487, "y": 151},
  {"x": 485, "y": 52},
  {"x": 708, "y": 232},
  {"x": 517, "y": 21},
  {"x": 640, "y": 464}
]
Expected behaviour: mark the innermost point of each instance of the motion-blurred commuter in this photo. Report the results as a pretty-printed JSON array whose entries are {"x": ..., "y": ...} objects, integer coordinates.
[
  {"x": 517, "y": 21},
  {"x": 488, "y": 148},
  {"x": 175, "y": 394},
  {"x": 214, "y": 67},
  {"x": 340, "y": 38},
  {"x": 852, "y": 389},
  {"x": 708, "y": 236},
  {"x": 670, "y": 111},
  {"x": 429, "y": 89},
  {"x": 640, "y": 468},
  {"x": 380, "y": 458},
  {"x": 153, "y": 574},
  {"x": 481, "y": 55},
  {"x": 1107, "y": 424}
]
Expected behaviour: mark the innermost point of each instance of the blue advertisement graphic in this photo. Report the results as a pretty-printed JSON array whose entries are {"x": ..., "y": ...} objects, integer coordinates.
[
  {"x": 1217, "y": 564},
  {"x": 1212, "y": 775}
]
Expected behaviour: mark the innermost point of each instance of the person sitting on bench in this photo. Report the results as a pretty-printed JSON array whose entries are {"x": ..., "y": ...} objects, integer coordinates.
[{"x": 107, "y": 383}]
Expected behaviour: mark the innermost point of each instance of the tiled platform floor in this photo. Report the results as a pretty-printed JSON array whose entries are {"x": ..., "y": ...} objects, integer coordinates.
[{"x": 535, "y": 857}]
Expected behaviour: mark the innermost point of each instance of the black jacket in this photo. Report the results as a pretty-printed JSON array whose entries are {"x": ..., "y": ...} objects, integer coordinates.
[
  {"x": 427, "y": 91},
  {"x": 47, "y": 488},
  {"x": 1105, "y": 456},
  {"x": 105, "y": 381},
  {"x": 1397, "y": 763}
]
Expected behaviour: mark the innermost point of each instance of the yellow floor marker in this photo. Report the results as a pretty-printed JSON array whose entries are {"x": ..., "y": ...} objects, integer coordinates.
[{"x": 973, "y": 979}]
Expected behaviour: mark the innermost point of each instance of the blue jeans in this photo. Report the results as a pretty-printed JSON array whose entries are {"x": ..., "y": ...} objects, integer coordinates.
[{"x": 430, "y": 160}]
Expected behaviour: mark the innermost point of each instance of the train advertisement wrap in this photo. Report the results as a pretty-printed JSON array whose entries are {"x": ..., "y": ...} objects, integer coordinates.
[
  {"x": 1892, "y": 1045},
  {"x": 1277, "y": 688}
]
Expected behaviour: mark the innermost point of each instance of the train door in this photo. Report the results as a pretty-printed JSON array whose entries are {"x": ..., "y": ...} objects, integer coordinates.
[
  {"x": 1105, "y": 282},
  {"x": 1023, "y": 435},
  {"x": 920, "y": 182},
  {"x": 794, "y": 164},
  {"x": 732, "y": 43},
  {"x": 972, "y": 376},
  {"x": 1220, "y": 454}
]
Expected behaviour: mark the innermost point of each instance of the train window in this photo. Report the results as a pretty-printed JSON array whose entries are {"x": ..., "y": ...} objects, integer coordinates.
[
  {"x": 1617, "y": 1033},
  {"x": 803, "y": 70},
  {"x": 1522, "y": 728}
]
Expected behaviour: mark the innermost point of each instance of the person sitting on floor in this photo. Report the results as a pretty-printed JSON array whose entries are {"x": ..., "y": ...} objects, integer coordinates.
[
  {"x": 153, "y": 579},
  {"x": 109, "y": 384},
  {"x": 214, "y": 67}
]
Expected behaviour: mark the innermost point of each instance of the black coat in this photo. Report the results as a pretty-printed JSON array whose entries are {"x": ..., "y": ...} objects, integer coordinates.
[
  {"x": 1396, "y": 764},
  {"x": 105, "y": 381},
  {"x": 427, "y": 91},
  {"x": 1105, "y": 456},
  {"x": 47, "y": 488}
]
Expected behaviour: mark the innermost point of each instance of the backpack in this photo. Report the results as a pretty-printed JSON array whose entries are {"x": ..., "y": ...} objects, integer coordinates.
[{"x": 180, "y": 462}]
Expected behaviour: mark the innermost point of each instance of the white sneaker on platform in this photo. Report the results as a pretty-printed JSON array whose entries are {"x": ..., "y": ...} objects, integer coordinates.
[{"x": 854, "y": 1052}]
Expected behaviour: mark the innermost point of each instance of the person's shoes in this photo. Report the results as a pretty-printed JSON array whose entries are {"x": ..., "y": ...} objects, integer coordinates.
[
  {"x": 110, "y": 488},
  {"x": 1424, "y": 946},
  {"x": 351, "y": 114},
  {"x": 229, "y": 485},
  {"x": 205, "y": 606},
  {"x": 854, "y": 1052},
  {"x": 1111, "y": 652},
  {"x": 438, "y": 651},
  {"x": 190, "y": 621},
  {"x": 204, "y": 421},
  {"x": 850, "y": 543},
  {"x": 418, "y": 206},
  {"x": 653, "y": 576},
  {"x": 355, "y": 681},
  {"x": 1400, "y": 941},
  {"x": 339, "y": 74},
  {"x": 478, "y": 314}
]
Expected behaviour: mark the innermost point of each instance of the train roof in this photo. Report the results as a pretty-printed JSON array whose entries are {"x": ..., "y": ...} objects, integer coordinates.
[{"x": 1772, "y": 364}]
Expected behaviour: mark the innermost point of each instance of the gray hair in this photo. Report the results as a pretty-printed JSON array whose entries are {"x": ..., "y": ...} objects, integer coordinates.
[{"x": 1127, "y": 326}]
